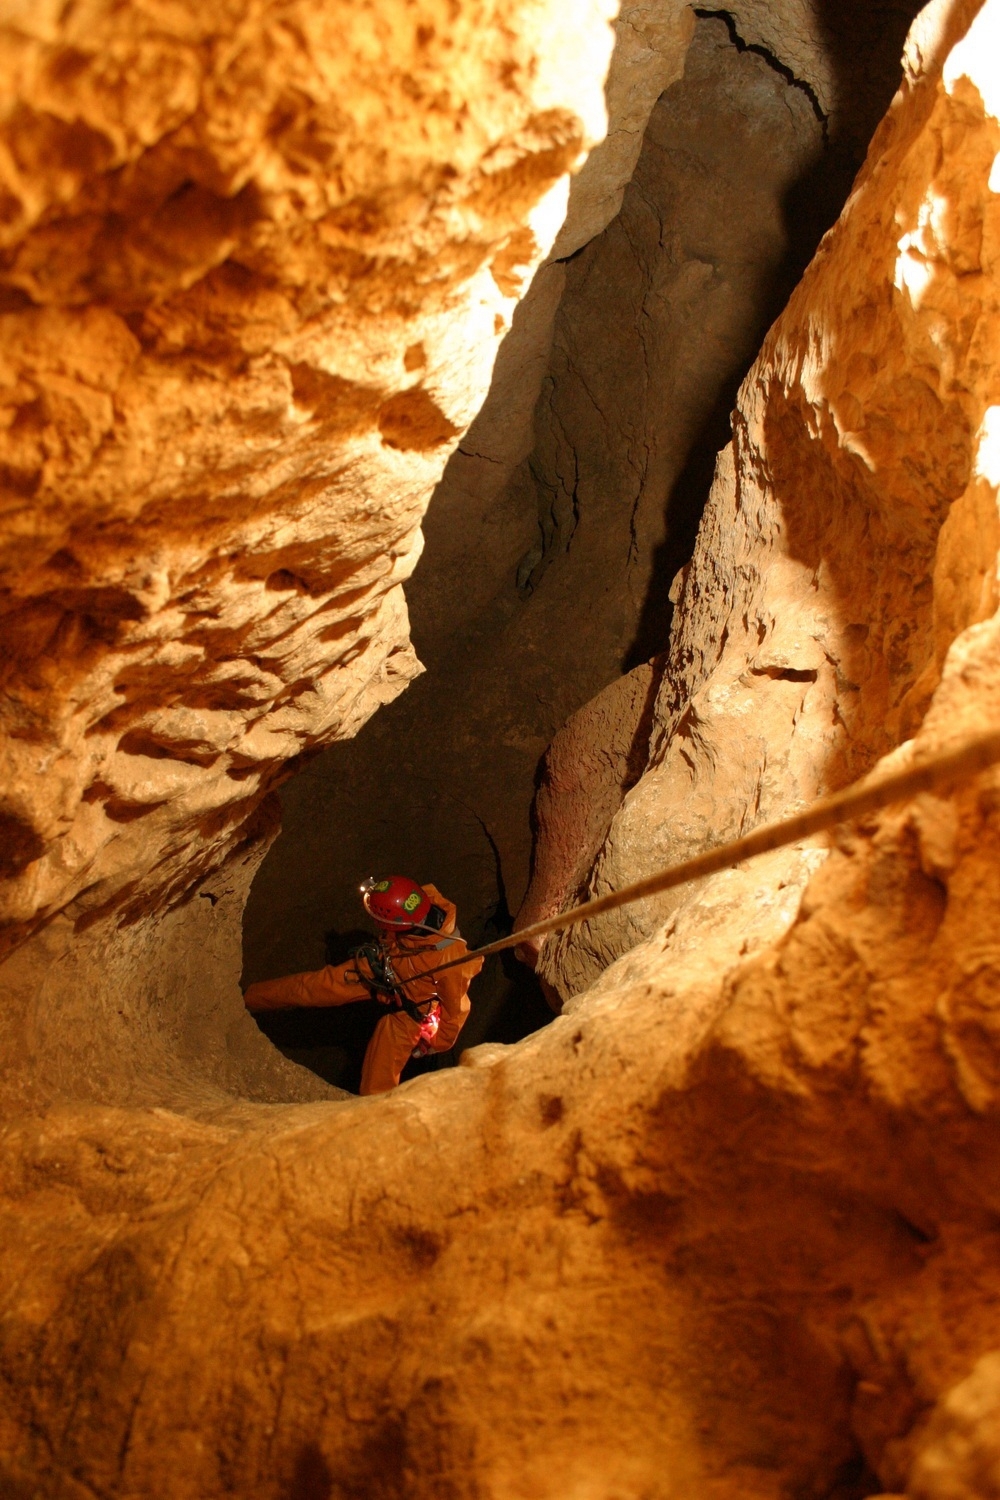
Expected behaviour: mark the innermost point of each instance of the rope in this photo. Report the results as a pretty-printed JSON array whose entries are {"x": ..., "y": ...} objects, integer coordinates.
[{"x": 937, "y": 773}]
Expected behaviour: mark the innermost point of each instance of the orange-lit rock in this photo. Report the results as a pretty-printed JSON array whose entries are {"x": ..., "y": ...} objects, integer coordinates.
[
  {"x": 249, "y": 304},
  {"x": 850, "y": 534},
  {"x": 727, "y": 1228}
]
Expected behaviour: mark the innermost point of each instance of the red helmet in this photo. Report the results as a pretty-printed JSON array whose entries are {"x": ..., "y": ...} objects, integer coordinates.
[{"x": 395, "y": 902}]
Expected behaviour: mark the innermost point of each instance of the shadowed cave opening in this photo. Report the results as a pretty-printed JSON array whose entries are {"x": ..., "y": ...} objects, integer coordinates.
[{"x": 546, "y": 576}]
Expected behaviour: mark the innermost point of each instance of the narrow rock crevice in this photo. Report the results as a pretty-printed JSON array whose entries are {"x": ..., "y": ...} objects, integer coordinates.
[
  {"x": 729, "y": 20},
  {"x": 656, "y": 322}
]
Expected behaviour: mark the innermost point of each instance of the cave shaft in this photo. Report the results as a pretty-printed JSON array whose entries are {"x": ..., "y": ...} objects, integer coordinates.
[{"x": 672, "y": 339}]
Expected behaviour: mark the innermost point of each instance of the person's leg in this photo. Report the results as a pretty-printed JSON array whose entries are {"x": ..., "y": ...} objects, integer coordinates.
[{"x": 389, "y": 1050}]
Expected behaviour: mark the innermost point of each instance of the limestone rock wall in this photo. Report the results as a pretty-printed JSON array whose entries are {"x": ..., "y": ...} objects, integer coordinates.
[
  {"x": 850, "y": 534},
  {"x": 719, "y": 1233},
  {"x": 728, "y": 1227},
  {"x": 256, "y": 264},
  {"x": 660, "y": 318},
  {"x": 147, "y": 1014},
  {"x": 557, "y": 526}
]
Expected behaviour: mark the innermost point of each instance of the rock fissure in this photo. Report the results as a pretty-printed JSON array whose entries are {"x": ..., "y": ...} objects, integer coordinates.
[{"x": 770, "y": 58}]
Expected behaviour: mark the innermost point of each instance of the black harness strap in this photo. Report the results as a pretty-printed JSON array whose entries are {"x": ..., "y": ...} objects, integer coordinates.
[{"x": 382, "y": 982}]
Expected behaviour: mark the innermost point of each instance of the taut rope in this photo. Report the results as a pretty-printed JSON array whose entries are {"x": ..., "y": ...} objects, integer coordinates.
[{"x": 937, "y": 773}]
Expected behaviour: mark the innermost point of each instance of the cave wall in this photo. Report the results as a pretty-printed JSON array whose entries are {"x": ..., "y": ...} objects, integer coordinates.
[
  {"x": 256, "y": 265},
  {"x": 659, "y": 318},
  {"x": 849, "y": 537},
  {"x": 728, "y": 1227},
  {"x": 145, "y": 1014},
  {"x": 554, "y": 534}
]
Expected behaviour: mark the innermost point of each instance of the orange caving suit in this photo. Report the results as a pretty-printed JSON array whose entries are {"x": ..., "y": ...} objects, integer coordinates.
[{"x": 397, "y": 1033}]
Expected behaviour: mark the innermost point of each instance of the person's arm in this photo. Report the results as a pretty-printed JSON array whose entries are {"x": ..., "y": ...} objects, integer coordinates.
[
  {"x": 453, "y": 993},
  {"x": 320, "y": 987}
]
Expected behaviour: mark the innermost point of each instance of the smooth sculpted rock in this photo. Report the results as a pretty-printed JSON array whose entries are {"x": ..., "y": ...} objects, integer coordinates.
[{"x": 592, "y": 762}]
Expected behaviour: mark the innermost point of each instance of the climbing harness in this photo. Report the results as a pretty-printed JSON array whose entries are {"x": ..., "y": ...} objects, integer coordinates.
[
  {"x": 381, "y": 981},
  {"x": 936, "y": 773},
  {"x": 385, "y": 986}
]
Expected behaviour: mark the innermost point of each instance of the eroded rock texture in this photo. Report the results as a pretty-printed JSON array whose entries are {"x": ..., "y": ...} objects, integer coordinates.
[
  {"x": 574, "y": 496},
  {"x": 242, "y": 302},
  {"x": 256, "y": 264},
  {"x": 849, "y": 536},
  {"x": 727, "y": 1227}
]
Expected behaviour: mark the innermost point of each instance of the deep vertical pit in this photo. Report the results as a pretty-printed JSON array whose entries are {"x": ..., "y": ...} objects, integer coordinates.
[
  {"x": 543, "y": 579},
  {"x": 726, "y": 1227}
]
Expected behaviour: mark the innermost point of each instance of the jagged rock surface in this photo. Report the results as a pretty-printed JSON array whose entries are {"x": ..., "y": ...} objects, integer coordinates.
[
  {"x": 849, "y": 535},
  {"x": 255, "y": 265},
  {"x": 248, "y": 308}
]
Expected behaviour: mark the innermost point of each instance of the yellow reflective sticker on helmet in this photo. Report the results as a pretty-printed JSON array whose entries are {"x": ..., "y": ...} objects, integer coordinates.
[{"x": 412, "y": 901}]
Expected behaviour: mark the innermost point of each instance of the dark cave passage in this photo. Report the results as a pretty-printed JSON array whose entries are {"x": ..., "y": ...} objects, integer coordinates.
[{"x": 545, "y": 577}]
